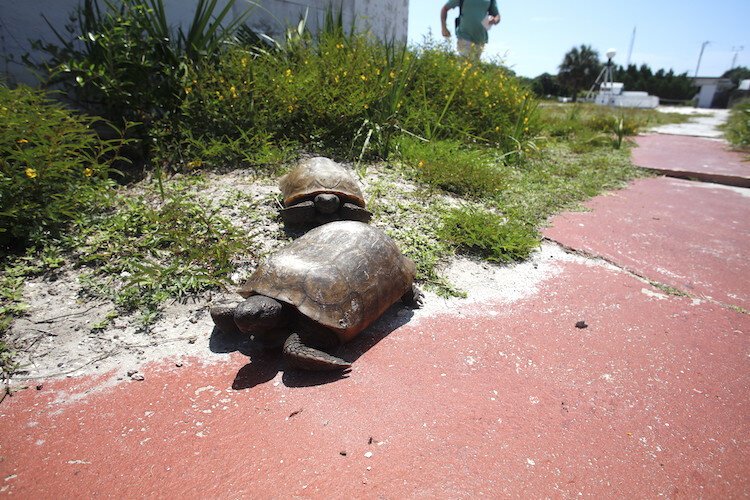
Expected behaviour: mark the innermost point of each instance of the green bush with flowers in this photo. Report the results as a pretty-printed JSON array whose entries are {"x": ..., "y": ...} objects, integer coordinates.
[
  {"x": 348, "y": 93},
  {"x": 52, "y": 165}
]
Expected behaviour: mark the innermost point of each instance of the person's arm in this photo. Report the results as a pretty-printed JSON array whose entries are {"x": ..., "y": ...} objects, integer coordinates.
[
  {"x": 443, "y": 19},
  {"x": 494, "y": 13}
]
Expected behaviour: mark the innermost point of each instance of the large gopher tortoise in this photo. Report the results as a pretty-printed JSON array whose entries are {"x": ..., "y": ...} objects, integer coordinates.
[{"x": 322, "y": 289}]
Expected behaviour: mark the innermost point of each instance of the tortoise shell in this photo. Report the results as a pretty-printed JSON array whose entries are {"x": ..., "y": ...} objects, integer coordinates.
[
  {"x": 342, "y": 275},
  {"x": 320, "y": 175}
]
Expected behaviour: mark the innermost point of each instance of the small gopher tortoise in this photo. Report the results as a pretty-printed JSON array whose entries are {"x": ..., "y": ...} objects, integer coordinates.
[
  {"x": 319, "y": 191},
  {"x": 322, "y": 289}
]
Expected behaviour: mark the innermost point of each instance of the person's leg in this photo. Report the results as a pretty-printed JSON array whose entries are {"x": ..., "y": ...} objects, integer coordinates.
[
  {"x": 464, "y": 47},
  {"x": 468, "y": 49}
]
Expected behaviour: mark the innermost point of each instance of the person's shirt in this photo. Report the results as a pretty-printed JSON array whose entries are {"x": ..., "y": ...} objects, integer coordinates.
[{"x": 472, "y": 14}]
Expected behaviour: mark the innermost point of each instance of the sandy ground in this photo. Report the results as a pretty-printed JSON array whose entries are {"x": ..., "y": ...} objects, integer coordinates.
[{"x": 705, "y": 122}]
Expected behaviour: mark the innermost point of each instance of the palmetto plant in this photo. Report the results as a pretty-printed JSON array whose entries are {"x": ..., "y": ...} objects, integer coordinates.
[{"x": 125, "y": 60}]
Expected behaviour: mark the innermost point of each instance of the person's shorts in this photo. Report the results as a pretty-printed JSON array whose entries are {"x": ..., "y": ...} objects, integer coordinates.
[{"x": 469, "y": 49}]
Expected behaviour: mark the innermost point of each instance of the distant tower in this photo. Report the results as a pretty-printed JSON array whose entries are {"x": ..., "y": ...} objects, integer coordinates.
[{"x": 630, "y": 51}]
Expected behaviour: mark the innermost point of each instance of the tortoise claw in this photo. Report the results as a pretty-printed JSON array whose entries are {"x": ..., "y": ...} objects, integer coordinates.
[
  {"x": 414, "y": 298},
  {"x": 302, "y": 356}
]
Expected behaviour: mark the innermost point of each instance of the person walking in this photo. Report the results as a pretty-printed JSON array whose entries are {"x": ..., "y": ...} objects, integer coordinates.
[{"x": 474, "y": 19}]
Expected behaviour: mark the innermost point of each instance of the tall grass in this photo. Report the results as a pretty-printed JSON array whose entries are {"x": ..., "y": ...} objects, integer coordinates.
[{"x": 737, "y": 129}]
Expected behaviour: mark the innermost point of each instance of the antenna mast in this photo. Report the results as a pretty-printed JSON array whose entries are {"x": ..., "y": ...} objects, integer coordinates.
[{"x": 630, "y": 51}]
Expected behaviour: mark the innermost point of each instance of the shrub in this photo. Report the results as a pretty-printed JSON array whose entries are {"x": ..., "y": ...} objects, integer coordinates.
[
  {"x": 348, "y": 93},
  {"x": 451, "y": 97},
  {"x": 737, "y": 129},
  {"x": 53, "y": 165}
]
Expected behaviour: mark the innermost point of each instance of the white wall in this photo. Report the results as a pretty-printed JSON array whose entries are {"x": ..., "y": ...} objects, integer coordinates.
[{"x": 21, "y": 21}]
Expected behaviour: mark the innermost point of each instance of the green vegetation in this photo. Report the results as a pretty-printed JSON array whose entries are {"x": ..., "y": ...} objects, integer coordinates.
[
  {"x": 52, "y": 166},
  {"x": 126, "y": 60},
  {"x": 148, "y": 251},
  {"x": 737, "y": 129},
  {"x": 484, "y": 164}
]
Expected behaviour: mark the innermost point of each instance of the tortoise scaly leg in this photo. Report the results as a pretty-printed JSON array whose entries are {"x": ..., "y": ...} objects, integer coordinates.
[
  {"x": 300, "y": 354},
  {"x": 350, "y": 211},
  {"x": 298, "y": 214}
]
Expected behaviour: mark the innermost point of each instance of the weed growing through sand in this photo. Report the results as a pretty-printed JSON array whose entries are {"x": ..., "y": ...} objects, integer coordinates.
[{"x": 148, "y": 251}]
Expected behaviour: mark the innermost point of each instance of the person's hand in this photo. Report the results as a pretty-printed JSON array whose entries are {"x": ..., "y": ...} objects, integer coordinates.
[
  {"x": 446, "y": 33},
  {"x": 495, "y": 19}
]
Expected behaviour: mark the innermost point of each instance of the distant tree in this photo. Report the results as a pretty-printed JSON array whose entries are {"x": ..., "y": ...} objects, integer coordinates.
[
  {"x": 546, "y": 85},
  {"x": 664, "y": 84},
  {"x": 737, "y": 74},
  {"x": 579, "y": 69}
]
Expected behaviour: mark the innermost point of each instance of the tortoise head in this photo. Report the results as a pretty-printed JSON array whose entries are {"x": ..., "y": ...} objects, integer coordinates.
[
  {"x": 264, "y": 318},
  {"x": 327, "y": 203}
]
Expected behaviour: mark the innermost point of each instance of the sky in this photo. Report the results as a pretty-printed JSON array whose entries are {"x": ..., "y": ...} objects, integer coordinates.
[{"x": 533, "y": 36}]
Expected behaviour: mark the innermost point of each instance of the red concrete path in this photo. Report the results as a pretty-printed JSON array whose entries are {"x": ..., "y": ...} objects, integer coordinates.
[
  {"x": 651, "y": 399},
  {"x": 692, "y": 157},
  {"x": 689, "y": 235}
]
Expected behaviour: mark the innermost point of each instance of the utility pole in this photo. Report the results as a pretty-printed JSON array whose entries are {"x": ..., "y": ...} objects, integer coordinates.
[
  {"x": 736, "y": 51},
  {"x": 700, "y": 56}
]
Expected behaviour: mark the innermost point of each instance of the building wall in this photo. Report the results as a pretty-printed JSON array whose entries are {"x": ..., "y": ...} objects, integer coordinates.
[{"x": 22, "y": 21}]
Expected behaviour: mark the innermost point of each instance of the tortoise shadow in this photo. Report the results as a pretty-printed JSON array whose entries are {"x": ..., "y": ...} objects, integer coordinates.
[
  {"x": 265, "y": 364},
  {"x": 262, "y": 367}
]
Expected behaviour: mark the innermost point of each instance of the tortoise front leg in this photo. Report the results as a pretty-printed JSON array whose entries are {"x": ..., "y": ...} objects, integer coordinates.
[
  {"x": 350, "y": 211},
  {"x": 413, "y": 297},
  {"x": 299, "y": 351},
  {"x": 223, "y": 316},
  {"x": 299, "y": 214}
]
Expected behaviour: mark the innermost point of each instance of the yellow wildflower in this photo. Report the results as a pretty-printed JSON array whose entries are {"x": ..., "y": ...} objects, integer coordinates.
[
  {"x": 367, "y": 106},
  {"x": 188, "y": 90},
  {"x": 233, "y": 91},
  {"x": 392, "y": 75},
  {"x": 486, "y": 93},
  {"x": 244, "y": 62},
  {"x": 363, "y": 78},
  {"x": 288, "y": 73},
  {"x": 420, "y": 164},
  {"x": 88, "y": 172},
  {"x": 22, "y": 141},
  {"x": 30, "y": 173},
  {"x": 290, "y": 108},
  {"x": 195, "y": 163}
]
